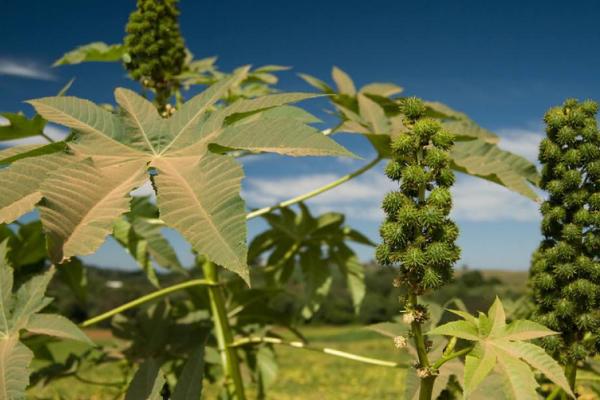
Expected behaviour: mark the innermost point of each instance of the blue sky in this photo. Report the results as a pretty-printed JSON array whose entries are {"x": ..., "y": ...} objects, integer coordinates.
[{"x": 503, "y": 63}]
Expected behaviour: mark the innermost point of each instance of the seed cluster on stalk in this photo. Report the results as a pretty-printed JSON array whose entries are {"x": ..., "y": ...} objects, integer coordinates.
[
  {"x": 418, "y": 236},
  {"x": 155, "y": 47},
  {"x": 565, "y": 272}
]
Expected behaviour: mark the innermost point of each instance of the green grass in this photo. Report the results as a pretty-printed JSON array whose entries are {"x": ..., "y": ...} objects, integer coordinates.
[{"x": 302, "y": 375}]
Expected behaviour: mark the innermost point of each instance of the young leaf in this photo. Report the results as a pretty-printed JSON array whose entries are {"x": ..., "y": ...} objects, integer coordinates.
[
  {"x": 498, "y": 343},
  {"x": 477, "y": 369}
]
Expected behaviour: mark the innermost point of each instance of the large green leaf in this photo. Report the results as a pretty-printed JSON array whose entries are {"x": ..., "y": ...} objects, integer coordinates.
[
  {"x": 96, "y": 51},
  {"x": 15, "y": 358},
  {"x": 487, "y": 161},
  {"x": 297, "y": 239},
  {"x": 21, "y": 183},
  {"x": 463, "y": 127},
  {"x": 197, "y": 190},
  {"x": 81, "y": 202},
  {"x": 20, "y": 311},
  {"x": 15, "y": 153},
  {"x": 377, "y": 115},
  {"x": 202, "y": 201},
  {"x": 284, "y": 136},
  {"x": 502, "y": 345}
]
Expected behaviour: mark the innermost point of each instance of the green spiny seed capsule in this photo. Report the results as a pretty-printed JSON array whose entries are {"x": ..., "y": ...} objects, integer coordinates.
[
  {"x": 403, "y": 144},
  {"x": 155, "y": 47},
  {"x": 565, "y": 272},
  {"x": 418, "y": 236},
  {"x": 413, "y": 109}
]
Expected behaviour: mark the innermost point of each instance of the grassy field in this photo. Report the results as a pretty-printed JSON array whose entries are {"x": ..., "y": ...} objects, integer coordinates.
[{"x": 302, "y": 375}]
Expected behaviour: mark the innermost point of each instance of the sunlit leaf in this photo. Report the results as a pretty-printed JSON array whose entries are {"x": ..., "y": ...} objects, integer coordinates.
[{"x": 197, "y": 190}]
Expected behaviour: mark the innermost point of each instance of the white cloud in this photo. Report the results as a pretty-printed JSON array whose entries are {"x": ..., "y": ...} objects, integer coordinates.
[
  {"x": 474, "y": 199},
  {"x": 52, "y": 131},
  {"x": 24, "y": 69},
  {"x": 524, "y": 142},
  {"x": 482, "y": 201},
  {"x": 145, "y": 190}
]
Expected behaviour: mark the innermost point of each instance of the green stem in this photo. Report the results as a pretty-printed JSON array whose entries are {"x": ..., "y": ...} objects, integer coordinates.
[
  {"x": 144, "y": 299},
  {"x": 555, "y": 393},
  {"x": 571, "y": 374},
  {"x": 324, "y": 350},
  {"x": 229, "y": 357},
  {"x": 426, "y": 389},
  {"x": 451, "y": 356},
  {"x": 306, "y": 196},
  {"x": 419, "y": 337}
]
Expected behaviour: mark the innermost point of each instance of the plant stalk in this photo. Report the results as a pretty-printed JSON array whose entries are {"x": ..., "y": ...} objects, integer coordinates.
[
  {"x": 571, "y": 374},
  {"x": 426, "y": 389},
  {"x": 144, "y": 299},
  {"x": 306, "y": 196},
  {"x": 224, "y": 334},
  {"x": 324, "y": 350}
]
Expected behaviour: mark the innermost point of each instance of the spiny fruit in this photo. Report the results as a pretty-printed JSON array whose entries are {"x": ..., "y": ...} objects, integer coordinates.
[
  {"x": 418, "y": 236},
  {"x": 565, "y": 272},
  {"x": 155, "y": 47}
]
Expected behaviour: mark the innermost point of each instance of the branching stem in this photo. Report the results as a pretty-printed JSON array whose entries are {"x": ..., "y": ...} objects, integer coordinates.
[
  {"x": 325, "y": 350},
  {"x": 306, "y": 196},
  {"x": 145, "y": 299}
]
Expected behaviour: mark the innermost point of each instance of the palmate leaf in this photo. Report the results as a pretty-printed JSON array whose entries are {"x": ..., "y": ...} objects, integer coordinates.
[
  {"x": 20, "y": 311},
  {"x": 377, "y": 115},
  {"x": 501, "y": 346},
  {"x": 197, "y": 186},
  {"x": 298, "y": 239}
]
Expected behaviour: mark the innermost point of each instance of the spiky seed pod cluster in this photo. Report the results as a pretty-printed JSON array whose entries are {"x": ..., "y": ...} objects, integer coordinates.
[
  {"x": 565, "y": 272},
  {"x": 155, "y": 46},
  {"x": 417, "y": 234}
]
